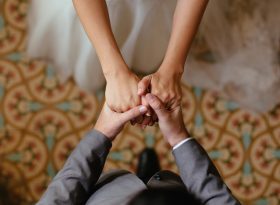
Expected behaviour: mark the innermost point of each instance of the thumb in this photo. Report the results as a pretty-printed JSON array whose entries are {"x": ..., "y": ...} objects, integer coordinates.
[
  {"x": 144, "y": 84},
  {"x": 156, "y": 104},
  {"x": 133, "y": 113}
]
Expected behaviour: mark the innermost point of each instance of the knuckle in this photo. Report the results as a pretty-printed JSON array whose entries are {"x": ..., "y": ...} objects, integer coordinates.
[
  {"x": 117, "y": 110},
  {"x": 165, "y": 95},
  {"x": 173, "y": 96},
  {"x": 123, "y": 108},
  {"x": 156, "y": 92},
  {"x": 111, "y": 105},
  {"x": 166, "y": 98},
  {"x": 162, "y": 95}
]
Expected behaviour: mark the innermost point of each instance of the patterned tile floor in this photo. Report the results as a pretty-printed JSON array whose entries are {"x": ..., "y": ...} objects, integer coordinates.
[{"x": 42, "y": 120}]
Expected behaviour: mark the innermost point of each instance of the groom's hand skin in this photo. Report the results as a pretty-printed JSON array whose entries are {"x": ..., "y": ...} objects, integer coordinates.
[
  {"x": 111, "y": 123},
  {"x": 170, "y": 121},
  {"x": 150, "y": 118},
  {"x": 144, "y": 120}
]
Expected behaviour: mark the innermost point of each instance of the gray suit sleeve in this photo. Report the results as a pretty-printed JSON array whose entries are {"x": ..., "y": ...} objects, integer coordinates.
[
  {"x": 201, "y": 176},
  {"x": 74, "y": 181}
]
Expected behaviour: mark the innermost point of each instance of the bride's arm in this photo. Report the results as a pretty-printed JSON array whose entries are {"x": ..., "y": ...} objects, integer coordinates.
[
  {"x": 95, "y": 19},
  {"x": 165, "y": 83},
  {"x": 121, "y": 88},
  {"x": 187, "y": 17}
]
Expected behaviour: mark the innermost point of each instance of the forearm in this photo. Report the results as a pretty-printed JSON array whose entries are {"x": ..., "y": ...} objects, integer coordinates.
[
  {"x": 187, "y": 17},
  {"x": 95, "y": 19},
  {"x": 73, "y": 183},
  {"x": 201, "y": 176}
]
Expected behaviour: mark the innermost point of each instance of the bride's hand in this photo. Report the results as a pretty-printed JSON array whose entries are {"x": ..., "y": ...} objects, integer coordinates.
[
  {"x": 121, "y": 91},
  {"x": 165, "y": 84}
]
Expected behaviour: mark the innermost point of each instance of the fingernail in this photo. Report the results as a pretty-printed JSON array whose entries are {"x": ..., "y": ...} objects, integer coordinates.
[{"x": 143, "y": 109}]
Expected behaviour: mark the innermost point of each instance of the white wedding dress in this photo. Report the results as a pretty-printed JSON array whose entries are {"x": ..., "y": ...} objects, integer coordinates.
[
  {"x": 236, "y": 51},
  {"x": 241, "y": 51},
  {"x": 141, "y": 28}
]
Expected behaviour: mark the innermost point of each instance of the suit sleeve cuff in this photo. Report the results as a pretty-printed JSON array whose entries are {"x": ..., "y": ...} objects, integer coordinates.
[{"x": 182, "y": 142}]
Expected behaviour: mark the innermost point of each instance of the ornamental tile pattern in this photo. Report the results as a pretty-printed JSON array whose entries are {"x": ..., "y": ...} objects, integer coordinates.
[{"x": 42, "y": 120}]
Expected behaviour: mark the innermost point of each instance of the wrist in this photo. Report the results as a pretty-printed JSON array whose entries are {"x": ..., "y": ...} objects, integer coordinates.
[
  {"x": 106, "y": 133},
  {"x": 172, "y": 68},
  {"x": 109, "y": 56},
  {"x": 115, "y": 69},
  {"x": 179, "y": 137}
]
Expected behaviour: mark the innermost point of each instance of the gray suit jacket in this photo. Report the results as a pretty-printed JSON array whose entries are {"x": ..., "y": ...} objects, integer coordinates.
[{"x": 80, "y": 180}]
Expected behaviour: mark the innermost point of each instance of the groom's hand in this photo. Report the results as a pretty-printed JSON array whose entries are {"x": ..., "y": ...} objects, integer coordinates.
[
  {"x": 111, "y": 123},
  {"x": 148, "y": 119},
  {"x": 170, "y": 121}
]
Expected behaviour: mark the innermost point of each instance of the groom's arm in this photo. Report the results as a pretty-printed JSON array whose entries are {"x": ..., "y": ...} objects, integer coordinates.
[
  {"x": 73, "y": 184},
  {"x": 201, "y": 176},
  {"x": 196, "y": 169},
  {"x": 81, "y": 171}
]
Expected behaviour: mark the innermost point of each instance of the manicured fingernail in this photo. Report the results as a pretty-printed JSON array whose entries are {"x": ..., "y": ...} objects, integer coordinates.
[{"x": 143, "y": 109}]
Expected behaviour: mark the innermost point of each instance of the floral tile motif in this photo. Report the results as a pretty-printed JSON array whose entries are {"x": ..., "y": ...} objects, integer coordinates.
[{"x": 42, "y": 120}]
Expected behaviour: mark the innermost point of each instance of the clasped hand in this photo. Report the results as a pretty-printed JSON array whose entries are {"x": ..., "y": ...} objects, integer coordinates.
[{"x": 125, "y": 90}]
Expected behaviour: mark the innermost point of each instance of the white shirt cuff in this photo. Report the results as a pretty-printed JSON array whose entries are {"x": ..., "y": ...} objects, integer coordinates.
[{"x": 182, "y": 142}]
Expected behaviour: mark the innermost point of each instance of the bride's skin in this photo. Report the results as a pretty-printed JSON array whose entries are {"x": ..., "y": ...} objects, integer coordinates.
[
  {"x": 165, "y": 83},
  {"x": 121, "y": 88},
  {"x": 124, "y": 88}
]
